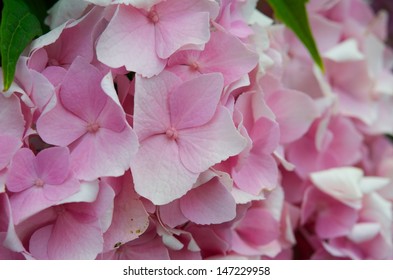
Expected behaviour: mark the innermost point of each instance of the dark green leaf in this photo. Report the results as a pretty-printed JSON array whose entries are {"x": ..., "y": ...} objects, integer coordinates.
[
  {"x": 293, "y": 14},
  {"x": 18, "y": 28}
]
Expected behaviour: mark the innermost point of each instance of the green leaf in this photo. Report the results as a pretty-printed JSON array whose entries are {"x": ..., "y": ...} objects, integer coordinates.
[
  {"x": 293, "y": 13},
  {"x": 18, "y": 28}
]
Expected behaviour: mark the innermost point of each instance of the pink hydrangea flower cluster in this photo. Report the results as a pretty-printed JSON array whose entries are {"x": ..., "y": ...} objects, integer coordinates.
[{"x": 198, "y": 129}]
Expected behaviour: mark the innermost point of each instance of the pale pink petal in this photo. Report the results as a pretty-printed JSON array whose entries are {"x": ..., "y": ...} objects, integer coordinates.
[
  {"x": 129, "y": 40},
  {"x": 202, "y": 147},
  {"x": 130, "y": 219},
  {"x": 158, "y": 172},
  {"x": 210, "y": 203},
  {"x": 236, "y": 61},
  {"x": 195, "y": 101},
  {"x": 60, "y": 127},
  {"x": 362, "y": 232},
  {"x": 64, "y": 10},
  {"x": 151, "y": 112},
  {"x": 342, "y": 184},
  {"x": 57, "y": 193},
  {"x": 179, "y": 24},
  {"x": 92, "y": 157},
  {"x": 258, "y": 172},
  {"x": 289, "y": 108},
  {"x": 22, "y": 173}
]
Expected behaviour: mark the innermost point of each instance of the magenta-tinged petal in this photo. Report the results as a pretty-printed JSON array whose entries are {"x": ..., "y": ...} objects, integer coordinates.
[
  {"x": 72, "y": 239},
  {"x": 8, "y": 236},
  {"x": 210, "y": 203},
  {"x": 38, "y": 245},
  {"x": 194, "y": 102},
  {"x": 22, "y": 173},
  {"x": 204, "y": 146},
  {"x": 53, "y": 165},
  {"x": 129, "y": 40},
  {"x": 92, "y": 157},
  {"x": 258, "y": 233},
  {"x": 60, "y": 127},
  {"x": 158, "y": 173},
  {"x": 335, "y": 220},
  {"x": 9, "y": 145},
  {"x": 151, "y": 112},
  {"x": 81, "y": 93}
]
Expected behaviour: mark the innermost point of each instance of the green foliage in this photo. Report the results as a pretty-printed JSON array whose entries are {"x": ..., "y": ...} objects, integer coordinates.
[
  {"x": 18, "y": 27},
  {"x": 294, "y": 15}
]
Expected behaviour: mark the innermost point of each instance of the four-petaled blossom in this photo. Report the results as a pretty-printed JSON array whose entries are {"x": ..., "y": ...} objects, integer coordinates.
[
  {"x": 182, "y": 130},
  {"x": 86, "y": 119}
]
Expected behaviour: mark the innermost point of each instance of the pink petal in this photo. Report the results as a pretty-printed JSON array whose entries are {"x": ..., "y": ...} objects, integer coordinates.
[
  {"x": 335, "y": 220},
  {"x": 204, "y": 146},
  {"x": 171, "y": 214},
  {"x": 236, "y": 61},
  {"x": 60, "y": 127},
  {"x": 53, "y": 165},
  {"x": 57, "y": 193},
  {"x": 258, "y": 172},
  {"x": 151, "y": 112},
  {"x": 72, "y": 239},
  {"x": 129, "y": 40},
  {"x": 180, "y": 24},
  {"x": 158, "y": 173},
  {"x": 22, "y": 173},
  {"x": 9, "y": 145},
  {"x": 210, "y": 203},
  {"x": 342, "y": 184},
  {"x": 112, "y": 117},
  {"x": 38, "y": 244},
  {"x": 11, "y": 118},
  {"x": 258, "y": 233},
  {"x": 130, "y": 219},
  {"x": 92, "y": 157},
  {"x": 81, "y": 93},
  {"x": 289, "y": 108},
  {"x": 265, "y": 135},
  {"x": 194, "y": 102}
]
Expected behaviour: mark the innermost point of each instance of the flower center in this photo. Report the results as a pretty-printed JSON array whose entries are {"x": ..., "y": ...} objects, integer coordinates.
[
  {"x": 153, "y": 16},
  {"x": 171, "y": 133},
  {"x": 194, "y": 66},
  {"x": 39, "y": 182},
  {"x": 93, "y": 127}
]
